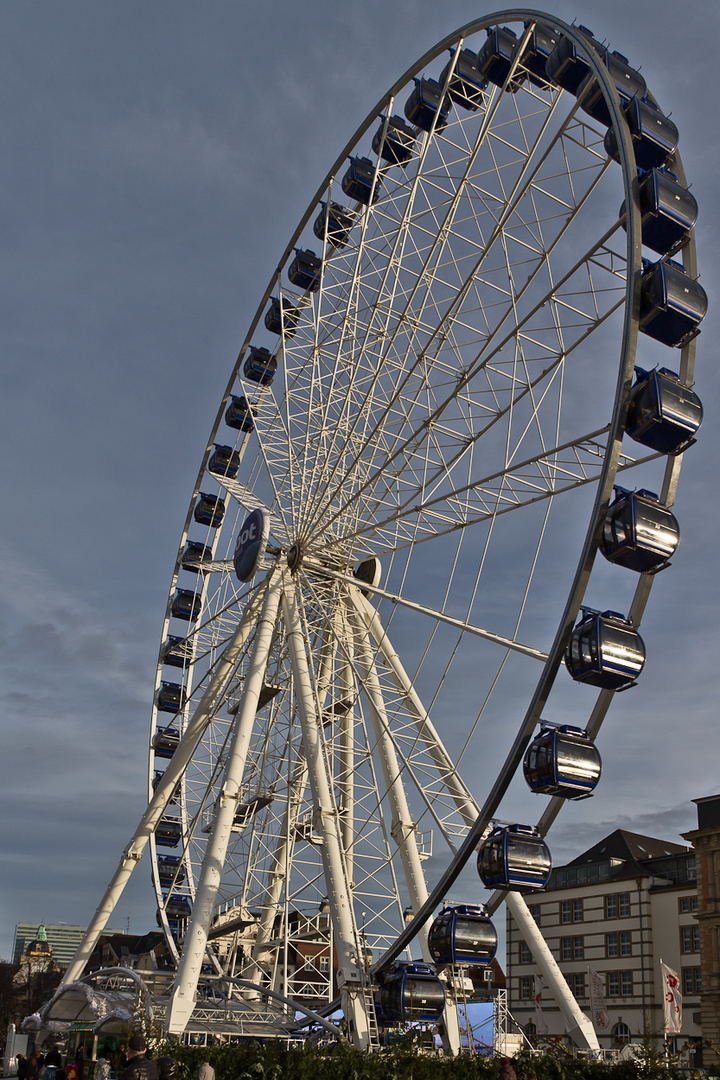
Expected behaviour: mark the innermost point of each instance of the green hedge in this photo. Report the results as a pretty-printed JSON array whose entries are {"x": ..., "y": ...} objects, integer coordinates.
[{"x": 270, "y": 1061}]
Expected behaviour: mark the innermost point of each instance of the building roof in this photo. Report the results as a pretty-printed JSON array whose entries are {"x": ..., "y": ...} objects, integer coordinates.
[
  {"x": 623, "y": 855},
  {"x": 630, "y": 848}
]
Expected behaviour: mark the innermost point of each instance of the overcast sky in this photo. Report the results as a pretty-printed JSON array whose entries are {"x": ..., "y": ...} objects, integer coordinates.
[{"x": 156, "y": 157}]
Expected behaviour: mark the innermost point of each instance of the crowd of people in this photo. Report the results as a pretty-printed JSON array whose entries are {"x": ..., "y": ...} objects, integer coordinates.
[{"x": 134, "y": 1064}]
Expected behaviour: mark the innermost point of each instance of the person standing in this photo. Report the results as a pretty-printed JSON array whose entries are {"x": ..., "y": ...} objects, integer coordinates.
[
  {"x": 33, "y": 1066},
  {"x": 206, "y": 1071},
  {"x": 507, "y": 1072},
  {"x": 139, "y": 1067},
  {"x": 22, "y": 1066}
]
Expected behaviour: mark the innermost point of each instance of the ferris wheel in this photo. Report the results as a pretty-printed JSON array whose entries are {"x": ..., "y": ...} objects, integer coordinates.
[{"x": 472, "y": 369}]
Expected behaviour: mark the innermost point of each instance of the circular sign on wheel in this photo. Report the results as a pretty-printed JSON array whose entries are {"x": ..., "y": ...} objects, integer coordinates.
[{"x": 251, "y": 543}]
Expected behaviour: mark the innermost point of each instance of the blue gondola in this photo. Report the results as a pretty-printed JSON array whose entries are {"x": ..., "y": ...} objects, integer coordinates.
[
  {"x": 567, "y": 65},
  {"x": 397, "y": 146},
  {"x": 462, "y": 934},
  {"x": 360, "y": 182},
  {"x": 605, "y": 650},
  {"x": 170, "y": 870},
  {"x": 177, "y": 907},
  {"x": 224, "y": 461},
  {"x": 282, "y": 318},
  {"x": 186, "y": 605},
  {"x": 165, "y": 742},
  {"x": 175, "y": 651},
  {"x": 428, "y": 106},
  {"x": 514, "y": 857},
  {"x": 654, "y": 136},
  {"x": 240, "y": 414},
  {"x": 157, "y": 777},
  {"x": 338, "y": 220},
  {"x": 305, "y": 270},
  {"x": 562, "y": 761},
  {"x": 533, "y": 61},
  {"x": 672, "y": 304},
  {"x": 412, "y": 991},
  {"x": 168, "y": 832},
  {"x": 668, "y": 211},
  {"x": 194, "y": 555},
  {"x": 209, "y": 510},
  {"x": 260, "y": 366},
  {"x": 627, "y": 81},
  {"x": 170, "y": 697},
  {"x": 466, "y": 84},
  {"x": 495, "y": 58},
  {"x": 662, "y": 412},
  {"x": 639, "y": 532}
]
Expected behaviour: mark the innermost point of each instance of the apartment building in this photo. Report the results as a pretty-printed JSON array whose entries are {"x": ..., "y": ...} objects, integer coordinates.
[
  {"x": 706, "y": 843},
  {"x": 618, "y": 909}
]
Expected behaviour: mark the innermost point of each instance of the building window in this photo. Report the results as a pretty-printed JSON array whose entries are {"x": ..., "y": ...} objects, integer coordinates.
[
  {"x": 691, "y": 981},
  {"x": 525, "y": 956},
  {"x": 571, "y": 911},
  {"x": 534, "y": 910},
  {"x": 525, "y": 993},
  {"x": 687, "y": 904},
  {"x": 689, "y": 939},
  {"x": 577, "y": 984},
  {"x": 619, "y": 984},
  {"x": 617, "y": 906},
  {"x": 621, "y": 1032},
  {"x": 324, "y": 963},
  {"x": 625, "y": 943},
  {"x": 611, "y": 945},
  {"x": 571, "y": 948}
]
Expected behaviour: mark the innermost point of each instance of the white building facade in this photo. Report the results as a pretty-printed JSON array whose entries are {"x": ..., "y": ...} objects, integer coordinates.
[{"x": 618, "y": 910}]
